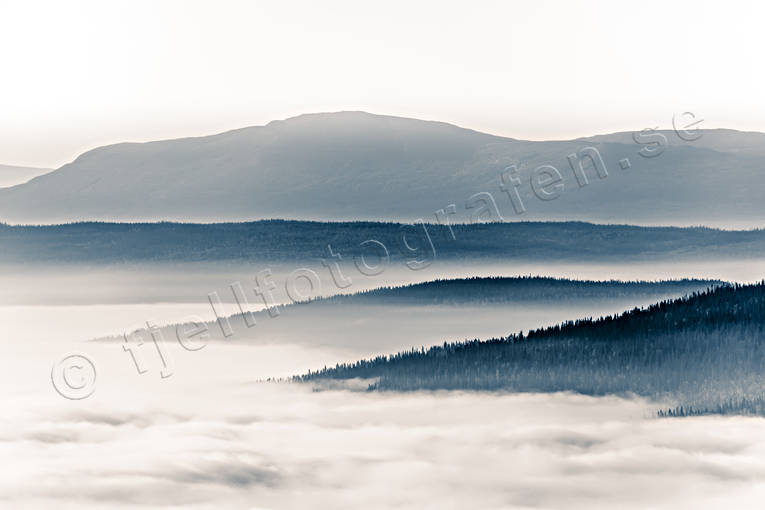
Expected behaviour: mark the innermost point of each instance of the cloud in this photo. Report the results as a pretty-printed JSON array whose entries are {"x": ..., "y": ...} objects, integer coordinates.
[{"x": 290, "y": 447}]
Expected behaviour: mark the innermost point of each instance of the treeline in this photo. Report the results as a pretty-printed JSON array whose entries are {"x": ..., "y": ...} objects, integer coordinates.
[
  {"x": 705, "y": 351},
  {"x": 279, "y": 240},
  {"x": 534, "y": 289},
  {"x": 743, "y": 405}
]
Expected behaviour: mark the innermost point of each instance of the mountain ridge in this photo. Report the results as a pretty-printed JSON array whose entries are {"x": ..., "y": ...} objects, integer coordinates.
[
  {"x": 12, "y": 175},
  {"x": 289, "y": 240},
  {"x": 361, "y": 166}
]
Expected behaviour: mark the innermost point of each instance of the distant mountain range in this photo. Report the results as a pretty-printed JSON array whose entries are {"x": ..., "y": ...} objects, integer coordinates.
[
  {"x": 14, "y": 175},
  {"x": 355, "y": 165}
]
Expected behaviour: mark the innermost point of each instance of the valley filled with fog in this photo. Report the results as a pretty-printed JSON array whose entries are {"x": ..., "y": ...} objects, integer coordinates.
[
  {"x": 209, "y": 416},
  {"x": 368, "y": 256},
  {"x": 211, "y": 437}
]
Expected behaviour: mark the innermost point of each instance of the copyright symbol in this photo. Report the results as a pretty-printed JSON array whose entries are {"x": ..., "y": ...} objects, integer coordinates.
[{"x": 74, "y": 377}]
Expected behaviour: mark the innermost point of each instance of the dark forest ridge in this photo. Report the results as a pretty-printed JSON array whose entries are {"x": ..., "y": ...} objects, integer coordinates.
[
  {"x": 360, "y": 166},
  {"x": 427, "y": 313},
  {"x": 705, "y": 351},
  {"x": 518, "y": 289},
  {"x": 279, "y": 240}
]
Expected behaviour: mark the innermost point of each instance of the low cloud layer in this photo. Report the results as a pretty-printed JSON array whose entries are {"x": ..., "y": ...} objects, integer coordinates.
[
  {"x": 212, "y": 436},
  {"x": 261, "y": 445}
]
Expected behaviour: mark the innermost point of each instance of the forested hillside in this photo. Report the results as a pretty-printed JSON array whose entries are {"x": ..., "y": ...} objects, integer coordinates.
[
  {"x": 278, "y": 240},
  {"x": 706, "y": 352},
  {"x": 394, "y": 318},
  {"x": 525, "y": 289}
]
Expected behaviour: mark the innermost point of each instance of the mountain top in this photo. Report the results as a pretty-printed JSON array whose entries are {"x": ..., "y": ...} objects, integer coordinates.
[{"x": 361, "y": 166}]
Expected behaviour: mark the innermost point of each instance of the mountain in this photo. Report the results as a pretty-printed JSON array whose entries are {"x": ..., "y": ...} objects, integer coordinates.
[
  {"x": 355, "y": 165},
  {"x": 705, "y": 352},
  {"x": 750, "y": 143},
  {"x": 13, "y": 175},
  {"x": 281, "y": 241}
]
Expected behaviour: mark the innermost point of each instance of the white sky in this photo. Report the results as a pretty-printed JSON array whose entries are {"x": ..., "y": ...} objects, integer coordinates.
[{"x": 79, "y": 74}]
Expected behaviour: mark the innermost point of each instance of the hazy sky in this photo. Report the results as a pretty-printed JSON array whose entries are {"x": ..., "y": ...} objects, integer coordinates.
[{"x": 79, "y": 74}]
